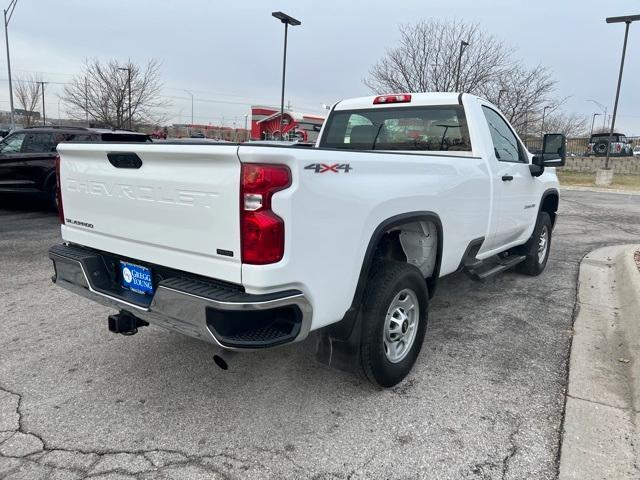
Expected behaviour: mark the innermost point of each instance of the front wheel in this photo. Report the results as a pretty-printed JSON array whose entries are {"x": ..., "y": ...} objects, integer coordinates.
[
  {"x": 394, "y": 322},
  {"x": 537, "y": 248}
]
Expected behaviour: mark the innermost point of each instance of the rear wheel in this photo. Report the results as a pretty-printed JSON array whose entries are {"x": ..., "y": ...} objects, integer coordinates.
[
  {"x": 394, "y": 322},
  {"x": 52, "y": 196},
  {"x": 537, "y": 248}
]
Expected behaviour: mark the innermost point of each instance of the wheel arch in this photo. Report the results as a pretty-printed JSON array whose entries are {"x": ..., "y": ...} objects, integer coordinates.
[
  {"x": 379, "y": 233},
  {"x": 50, "y": 178},
  {"x": 549, "y": 203}
]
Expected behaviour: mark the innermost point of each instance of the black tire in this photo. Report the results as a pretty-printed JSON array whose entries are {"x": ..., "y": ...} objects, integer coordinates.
[
  {"x": 52, "y": 196},
  {"x": 600, "y": 148},
  {"x": 532, "y": 265},
  {"x": 388, "y": 280}
]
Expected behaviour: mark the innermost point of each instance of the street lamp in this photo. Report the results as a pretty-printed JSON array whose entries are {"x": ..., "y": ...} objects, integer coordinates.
[
  {"x": 287, "y": 20},
  {"x": 544, "y": 111},
  {"x": 592, "y": 121},
  {"x": 602, "y": 108},
  {"x": 463, "y": 45},
  {"x": 189, "y": 129},
  {"x": 627, "y": 20},
  {"x": 7, "y": 17},
  {"x": 128, "y": 70}
]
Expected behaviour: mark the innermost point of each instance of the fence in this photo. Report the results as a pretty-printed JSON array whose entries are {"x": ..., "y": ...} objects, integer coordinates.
[{"x": 575, "y": 146}]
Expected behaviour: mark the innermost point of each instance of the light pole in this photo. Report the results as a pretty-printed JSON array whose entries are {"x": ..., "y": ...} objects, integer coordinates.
[
  {"x": 7, "y": 17},
  {"x": 246, "y": 132},
  {"x": 287, "y": 20},
  {"x": 128, "y": 70},
  {"x": 544, "y": 111},
  {"x": 592, "y": 121},
  {"x": 627, "y": 20},
  {"x": 463, "y": 45},
  {"x": 44, "y": 115},
  {"x": 189, "y": 129},
  {"x": 603, "y": 108}
]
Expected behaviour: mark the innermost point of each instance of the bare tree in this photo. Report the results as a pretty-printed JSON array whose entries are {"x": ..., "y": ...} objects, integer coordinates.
[
  {"x": 28, "y": 96},
  {"x": 101, "y": 93},
  {"x": 572, "y": 125},
  {"x": 426, "y": 60}
]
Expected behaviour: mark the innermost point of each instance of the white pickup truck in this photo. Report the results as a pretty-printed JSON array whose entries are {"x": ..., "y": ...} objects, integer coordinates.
[{"x": 250, "y": 246}]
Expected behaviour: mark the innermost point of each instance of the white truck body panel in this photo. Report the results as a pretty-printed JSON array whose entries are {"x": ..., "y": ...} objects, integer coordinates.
[{"x": 177, "y": 210}]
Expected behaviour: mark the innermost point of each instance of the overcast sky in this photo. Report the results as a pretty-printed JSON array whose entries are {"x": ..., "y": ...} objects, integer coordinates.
[{"x": 230, "y": 53}]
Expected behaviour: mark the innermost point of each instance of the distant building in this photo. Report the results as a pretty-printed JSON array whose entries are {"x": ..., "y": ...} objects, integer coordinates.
[{"x": 265, "y": 124}]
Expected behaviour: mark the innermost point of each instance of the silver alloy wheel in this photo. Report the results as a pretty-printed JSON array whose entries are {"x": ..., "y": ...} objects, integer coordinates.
[
  {"x": 543, "y": 244},
  {"x": 401, "y": 325}
]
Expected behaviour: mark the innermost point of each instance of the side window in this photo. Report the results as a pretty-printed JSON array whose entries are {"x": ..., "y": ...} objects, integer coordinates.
[
  {"x": 12, "y": 143},
  {"x": 505, "y": 143},
  {"x": 82, "y": 137},
  {"x": 39, "y": 143}
]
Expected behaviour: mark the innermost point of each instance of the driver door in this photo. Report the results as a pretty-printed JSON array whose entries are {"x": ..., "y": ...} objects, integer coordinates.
[{"x": 516, "y": 198}]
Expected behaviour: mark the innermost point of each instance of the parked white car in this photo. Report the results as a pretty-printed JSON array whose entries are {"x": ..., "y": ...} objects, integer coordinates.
[{"x": 251, "y": 246}]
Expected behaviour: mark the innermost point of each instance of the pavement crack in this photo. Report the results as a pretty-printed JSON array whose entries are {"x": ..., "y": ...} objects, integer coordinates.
[
  {"x": 40, "y": 452},
  {"x": 513, "y": 450},
  {"x": 624, "y": 409}
]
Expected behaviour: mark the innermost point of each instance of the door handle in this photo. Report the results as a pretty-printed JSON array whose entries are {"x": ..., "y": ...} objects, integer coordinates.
[{"x": 507, "y": 178}]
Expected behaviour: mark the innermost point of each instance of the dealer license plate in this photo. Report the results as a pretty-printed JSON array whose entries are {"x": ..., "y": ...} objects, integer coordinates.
[{"x": 136, "y": 278}]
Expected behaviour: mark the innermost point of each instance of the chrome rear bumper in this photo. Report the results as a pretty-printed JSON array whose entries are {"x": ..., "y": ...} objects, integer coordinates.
[{"x": 220, "y": 314}]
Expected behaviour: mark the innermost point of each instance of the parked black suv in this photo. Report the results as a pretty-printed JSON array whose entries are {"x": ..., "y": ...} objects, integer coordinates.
[{"x": 28, "y": 156}]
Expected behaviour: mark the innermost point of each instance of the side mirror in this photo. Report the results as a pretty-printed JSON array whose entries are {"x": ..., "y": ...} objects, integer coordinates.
[{"x": 554, "y": 150}]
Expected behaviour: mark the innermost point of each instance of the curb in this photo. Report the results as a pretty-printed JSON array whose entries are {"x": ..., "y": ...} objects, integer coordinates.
[
  {"x": 599, "y": 190},
  {"x": 600, "y": 438}
]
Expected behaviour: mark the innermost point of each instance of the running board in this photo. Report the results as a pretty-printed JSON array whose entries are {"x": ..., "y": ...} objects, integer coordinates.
[{"x": 481, "y": 269}]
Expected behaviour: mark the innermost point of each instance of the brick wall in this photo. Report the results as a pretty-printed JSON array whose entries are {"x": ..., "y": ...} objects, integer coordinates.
[{"x": 591, "y": 164}]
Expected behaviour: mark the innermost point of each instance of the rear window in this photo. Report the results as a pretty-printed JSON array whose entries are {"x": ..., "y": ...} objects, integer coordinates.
[
  {"x": 604, "y": 137},
  {"x": 432, "y": 128},
  {"x": 124, "y": 137}
]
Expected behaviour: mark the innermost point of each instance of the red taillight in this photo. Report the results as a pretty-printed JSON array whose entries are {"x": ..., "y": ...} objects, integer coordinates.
[
  {"x": 59, "y": 191},
  {"x": 401, "y": 98},
  {"x": 262, "y": 231}
]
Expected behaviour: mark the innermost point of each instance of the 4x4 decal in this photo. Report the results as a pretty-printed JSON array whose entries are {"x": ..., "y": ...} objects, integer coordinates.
[{"x": 323, "y": 167}]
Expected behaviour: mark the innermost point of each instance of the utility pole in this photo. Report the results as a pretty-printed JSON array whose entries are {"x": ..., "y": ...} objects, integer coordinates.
[
  {"x": 7, "y": 17},
  {"x": 86, "y": 100},
  {"x": 44, "y": 115},
  {"x": 189, "y": 129},
  {"x": 128, "y": 70},
  {"x": 463, "y": 45},
  {"x": 287, "y": 20}
]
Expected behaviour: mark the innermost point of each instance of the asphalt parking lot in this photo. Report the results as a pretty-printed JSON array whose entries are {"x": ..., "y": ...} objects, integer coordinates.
[{"x": 485, "y": 399}]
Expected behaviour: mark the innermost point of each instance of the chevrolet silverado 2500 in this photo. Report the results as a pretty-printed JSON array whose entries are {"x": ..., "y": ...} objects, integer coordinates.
[{"x": 250, "y": 246}]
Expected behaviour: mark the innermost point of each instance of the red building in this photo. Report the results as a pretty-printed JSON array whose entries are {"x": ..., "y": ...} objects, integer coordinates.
[{"x": 265, "y": 124}]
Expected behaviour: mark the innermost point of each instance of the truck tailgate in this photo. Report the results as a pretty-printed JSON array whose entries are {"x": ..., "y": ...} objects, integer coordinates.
[{"x": 179, "y": 209}]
